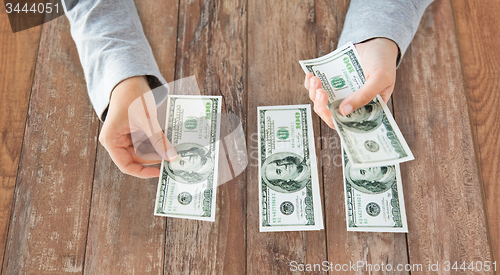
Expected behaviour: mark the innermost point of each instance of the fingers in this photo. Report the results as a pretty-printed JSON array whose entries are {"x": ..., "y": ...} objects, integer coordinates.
[
  {"x": 125, "y": 162},
  {"x": 144, "y": 159},
  {"x": 386, "y": 94},
  {"x": 314, "y": 85},
  {"x": 320, "y": 107},
  {"x": 307, "y": 79},
  {"x": 319, "y": 97},
  {"x": 160, "y": 143},
  {"x": 373, "y": 86},
  {"x": 144, "y": 124},
  {"x": 162, "y": 146}
]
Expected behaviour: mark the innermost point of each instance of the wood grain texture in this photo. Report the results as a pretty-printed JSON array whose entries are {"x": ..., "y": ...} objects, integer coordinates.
[
  {"x": 330, "y": 17},
  {"x": 279, "y": 34},
  {"x": 442, "y": 190},
  {"x": 48, "y": 230},
  {"x": 18, "y": 56},
  {"x": 211, "y": 46},
  {"x": 477, "y": 22},
  {"x": 124, "y": 237},
  {"x": 343, "y": 246}
]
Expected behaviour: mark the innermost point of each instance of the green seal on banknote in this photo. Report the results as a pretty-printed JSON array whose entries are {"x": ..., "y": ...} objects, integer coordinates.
[
  {"x": 283, "y": 133},
  {"x": 191, "y": 123},
  {"x": 338, "y": 82}
]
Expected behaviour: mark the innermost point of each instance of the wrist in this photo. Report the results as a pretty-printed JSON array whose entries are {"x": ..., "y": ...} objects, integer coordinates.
[
  {"x": 381, "y": 45},
  {"x": 127, "y": 91},
  {"x": 391, "y": 45}
]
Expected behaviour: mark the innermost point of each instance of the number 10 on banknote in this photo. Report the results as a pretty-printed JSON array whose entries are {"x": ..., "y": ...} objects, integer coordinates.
[{"x": 289, "y": 196}]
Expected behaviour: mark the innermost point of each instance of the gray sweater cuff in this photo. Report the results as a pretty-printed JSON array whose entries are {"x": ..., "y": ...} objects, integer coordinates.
[
  {"x": 112, "y": 47},
  {"x": 396, "y": 20}
]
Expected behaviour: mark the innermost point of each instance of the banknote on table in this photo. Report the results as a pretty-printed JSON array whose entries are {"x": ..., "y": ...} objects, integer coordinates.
[
  {"x": 289, "y": 196},
  {"x": 370, "y": 134},
  {"x": 374, "y": 200},
  {"x": 188, "y": 185}
]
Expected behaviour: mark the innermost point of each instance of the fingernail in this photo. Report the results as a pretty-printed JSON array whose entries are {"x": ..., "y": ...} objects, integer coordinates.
[
  {"x": 318, "y": 95},
  {"x": 347, "y": 109},
  {"x": 313, "y": 81},
  {"x": 171, "y": 154}
]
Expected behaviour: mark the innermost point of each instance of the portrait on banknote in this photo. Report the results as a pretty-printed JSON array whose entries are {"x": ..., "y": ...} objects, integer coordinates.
[
  {"x": 373, "y": 180},
  {"x": 193, "y": 164},
  {"x": 286, "y": 172},
  {"x": 364, "y": 119}
]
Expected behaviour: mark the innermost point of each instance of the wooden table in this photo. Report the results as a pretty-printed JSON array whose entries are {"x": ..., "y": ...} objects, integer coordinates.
[{"x": 66, "y": 208}]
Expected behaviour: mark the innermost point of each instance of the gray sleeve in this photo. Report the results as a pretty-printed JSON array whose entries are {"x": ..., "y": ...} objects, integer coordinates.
[
  {"x": 112, "y": 47},
  {"x": 397, "y": 20}
]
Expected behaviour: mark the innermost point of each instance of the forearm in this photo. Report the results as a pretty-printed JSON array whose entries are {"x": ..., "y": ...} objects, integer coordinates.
[
  {"x": 111, "y": 45},
  {"x": 396, "y": 20}
]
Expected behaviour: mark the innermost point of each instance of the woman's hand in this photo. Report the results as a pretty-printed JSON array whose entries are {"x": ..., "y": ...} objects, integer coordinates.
[
  {"x": 378, "y": 58},
  {"x": 132, "y": 119}
]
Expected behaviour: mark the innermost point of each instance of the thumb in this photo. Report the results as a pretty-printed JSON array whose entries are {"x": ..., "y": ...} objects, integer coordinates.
[
  {"x": 372, "y": 87},
  {"x": 150, "y": 145},
  {"x": 157, "y": 138},
  {"x": 142, "y": 115},
  {"x": 163, "y": 146}
]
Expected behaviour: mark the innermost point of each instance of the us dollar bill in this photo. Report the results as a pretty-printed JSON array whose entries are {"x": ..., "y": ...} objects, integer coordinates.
[
  {"x": 370, "y": 134},
  {"x": 188, "y": 185},
  {"x": 374, "y": 200},
  {"x": 289, "y": 195}
]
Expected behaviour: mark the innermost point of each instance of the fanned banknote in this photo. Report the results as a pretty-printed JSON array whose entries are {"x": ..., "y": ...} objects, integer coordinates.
[
  {"x": 289, "y": 196},
  {"x": 370, "y": 134},
  {"x": 188, "y": 185},
  {"x": 374, "y": 200}
]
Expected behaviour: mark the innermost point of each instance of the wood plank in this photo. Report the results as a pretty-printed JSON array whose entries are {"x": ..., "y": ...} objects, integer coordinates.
[
  {"x": 442, "y": 189},
  {"x": 345, "y": 247},
  {"x": 18, "y": 56},
  {"x": 330, "y": 17},
  {"x": 211, "y": 46},
  {"x": 48, "y": 230},
  {"x": 279, "y": 34},
  {"x": 124, "y": 237},
  {"x": 476, "y": 21}
]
